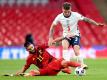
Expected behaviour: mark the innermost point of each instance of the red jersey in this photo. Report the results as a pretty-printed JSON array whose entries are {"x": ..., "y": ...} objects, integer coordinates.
[{"x": 41, "y": 58}]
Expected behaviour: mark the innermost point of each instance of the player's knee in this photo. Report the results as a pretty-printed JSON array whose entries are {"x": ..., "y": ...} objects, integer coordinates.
[
  {"x": 77, "y": 53},
  {"x": 34, "y": 72},
  {"x": 76, "y": 47},
  {"x": 64, "y": 63},
  {"x": 66, "y": 70},
  {"x": 65, "y": 47},
  {"x": 65, "y": 44}
]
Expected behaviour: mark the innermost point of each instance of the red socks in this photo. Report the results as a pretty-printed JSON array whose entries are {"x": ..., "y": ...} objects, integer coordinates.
[{"x": 73, "y": 64}]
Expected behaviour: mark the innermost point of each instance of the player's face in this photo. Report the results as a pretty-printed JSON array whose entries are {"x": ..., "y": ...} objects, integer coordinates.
[
  {"x": 31, "y": 48},
  {"x": 66, "y": 13}
]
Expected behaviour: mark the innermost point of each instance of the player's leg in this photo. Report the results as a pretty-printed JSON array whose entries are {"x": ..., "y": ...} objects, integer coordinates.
[
  {"x": 31, "y": 73},
  {"x": 76, "y": 47},
  {"x": 65, "y": 45},
  {"x": 51, "y": 69},
  {"x": 66, "y": 64},
  {"x": 66, "y": 55},
  {"x": 40, "y": 72},
  {"x": 79, "y": 57},
  {"x": 77, "y": 53},
  {"x": 34, "y": 72},
  {"x": 48, "y": 71},
  {"x": 66, "y": 70}
]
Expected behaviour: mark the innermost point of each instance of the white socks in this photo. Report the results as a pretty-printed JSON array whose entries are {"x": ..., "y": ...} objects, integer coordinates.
[
  {"x": 80, "y": 59},
  {"x": 66, "y": 55}
]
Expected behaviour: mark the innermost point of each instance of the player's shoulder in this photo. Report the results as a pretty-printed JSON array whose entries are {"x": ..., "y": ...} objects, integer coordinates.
[
  {"x": 29, "y": 57},
  {"x": 60, "y": 15},
  {"x": 76, "y": 13}
]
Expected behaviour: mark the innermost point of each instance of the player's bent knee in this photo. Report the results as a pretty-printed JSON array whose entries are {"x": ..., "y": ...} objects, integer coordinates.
[
  {"x": 64, "y": 63},
  {"x": 65, "y": 44},
  {"x": 66, "y": 70},
  {"x": 34, "y": 72}
]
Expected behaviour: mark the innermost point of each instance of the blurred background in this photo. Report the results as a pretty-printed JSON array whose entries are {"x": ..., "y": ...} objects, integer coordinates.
[{"x": 21, "y": 17}]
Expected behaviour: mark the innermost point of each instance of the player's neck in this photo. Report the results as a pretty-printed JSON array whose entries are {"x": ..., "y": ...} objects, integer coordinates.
[
  {"x": 33, "y": 51},
  {"x": 67, "y": 16}
]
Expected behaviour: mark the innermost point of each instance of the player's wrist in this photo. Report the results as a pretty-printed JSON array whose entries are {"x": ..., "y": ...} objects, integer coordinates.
[{"x": 97, "y": 24}]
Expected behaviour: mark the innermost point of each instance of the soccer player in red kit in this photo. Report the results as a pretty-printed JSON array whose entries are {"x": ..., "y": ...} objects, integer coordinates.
[{"x": 47, "y": 64}]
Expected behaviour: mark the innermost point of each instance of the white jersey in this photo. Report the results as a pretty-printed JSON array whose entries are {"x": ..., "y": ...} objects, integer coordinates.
[{"x": 69, "y": 23}]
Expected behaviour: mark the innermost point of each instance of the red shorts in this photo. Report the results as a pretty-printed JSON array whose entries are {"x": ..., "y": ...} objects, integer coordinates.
[{"x": 52, "y": 68}]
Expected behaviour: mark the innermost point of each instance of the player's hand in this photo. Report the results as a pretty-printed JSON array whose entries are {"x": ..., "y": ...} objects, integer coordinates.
[
  {"x": 18, "y": 73},
  {"x": 101, "y": 24},
  {"x": 69, "y": 36},
  {"x": 53, "y": 42},
  {"x": 50, "y": 41}
]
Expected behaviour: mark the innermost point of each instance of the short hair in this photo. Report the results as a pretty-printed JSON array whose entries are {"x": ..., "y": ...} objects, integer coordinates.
[{"x": 66, "y": 5}]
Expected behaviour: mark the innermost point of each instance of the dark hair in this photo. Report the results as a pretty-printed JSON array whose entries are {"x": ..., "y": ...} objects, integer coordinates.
[
  {"x": 26, "y": 44},
  {"x": 66, "y": 5},
  {"x": 29, "y": 38}
]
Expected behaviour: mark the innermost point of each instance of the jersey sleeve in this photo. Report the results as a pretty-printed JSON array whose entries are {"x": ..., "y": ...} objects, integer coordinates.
[
  {"x": 28, "y": 63},
  {"x": 56, "y": 20},
  {"x": 79, "y": 16}
]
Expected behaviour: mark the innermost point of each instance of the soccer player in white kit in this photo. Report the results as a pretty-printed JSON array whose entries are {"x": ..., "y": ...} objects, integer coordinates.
[{"x": 69, "y": 22}]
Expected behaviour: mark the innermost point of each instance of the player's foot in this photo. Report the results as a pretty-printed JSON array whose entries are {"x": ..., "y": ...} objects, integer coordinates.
[{"x": 84, "y": 66}]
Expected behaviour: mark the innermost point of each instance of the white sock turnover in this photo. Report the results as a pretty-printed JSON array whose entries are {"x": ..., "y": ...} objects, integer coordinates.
[
  {"x": 80, "y": 59},
  {"x": 66, "y": 55}
]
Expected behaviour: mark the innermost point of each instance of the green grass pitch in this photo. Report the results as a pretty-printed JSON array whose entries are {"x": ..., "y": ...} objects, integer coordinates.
[{"x": 97, "y": 71}]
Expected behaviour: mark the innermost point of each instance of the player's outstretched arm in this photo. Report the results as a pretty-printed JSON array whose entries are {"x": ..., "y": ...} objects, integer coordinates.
[
  {"x": 51, "y": 34},
  {"x": 24, "y": 68},
  {"x": 57, "y": 39},
  {"x": 93, "y": 22},
  {"x": 61, "y": 38},
  {"x": 21, "y": 71}
]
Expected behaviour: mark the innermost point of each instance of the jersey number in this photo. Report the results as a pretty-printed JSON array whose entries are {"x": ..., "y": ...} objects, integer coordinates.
[
  {"x": 76, "y": 38},
  {"x": 40, "y": 58}
]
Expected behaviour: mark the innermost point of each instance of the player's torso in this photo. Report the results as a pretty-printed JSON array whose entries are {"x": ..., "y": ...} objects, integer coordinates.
[
  {"x": 69, "y": 23},
  {"x": 41, "y": 58}
]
